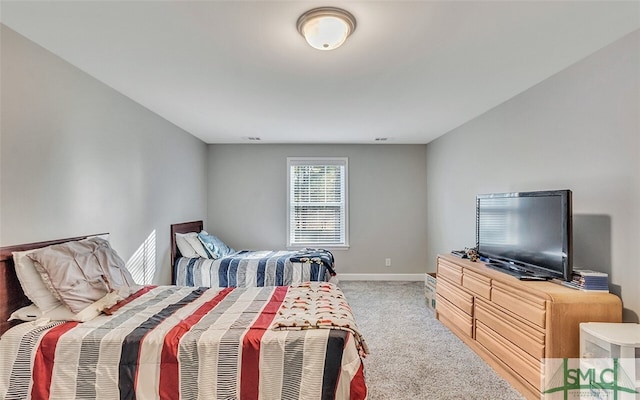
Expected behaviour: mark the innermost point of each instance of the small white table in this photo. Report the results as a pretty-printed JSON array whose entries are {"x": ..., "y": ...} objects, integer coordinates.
[{"x": 611, "y": 340}]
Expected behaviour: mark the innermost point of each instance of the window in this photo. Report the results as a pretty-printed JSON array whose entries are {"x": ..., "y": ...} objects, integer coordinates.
[{"x": 317, "y": 202}]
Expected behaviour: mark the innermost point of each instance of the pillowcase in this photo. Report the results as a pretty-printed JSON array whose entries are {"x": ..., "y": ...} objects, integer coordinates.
[
  {"x": 214, "y": 245},
  {"x": 60, "y": 313},
  {"x": 190, "y": 246},
  {"x": 31, "y": 282},
  {"x": 185, "y": 248},
  {"x": 84, "y": 274},
  {"x": 28, "y": 313}
]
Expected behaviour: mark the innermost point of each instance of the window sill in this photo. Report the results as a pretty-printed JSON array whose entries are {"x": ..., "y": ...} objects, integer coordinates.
[{"x": 315, "y": 246}]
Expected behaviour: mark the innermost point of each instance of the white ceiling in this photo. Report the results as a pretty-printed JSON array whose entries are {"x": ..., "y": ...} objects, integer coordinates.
[{"x": 412, "y": 70}]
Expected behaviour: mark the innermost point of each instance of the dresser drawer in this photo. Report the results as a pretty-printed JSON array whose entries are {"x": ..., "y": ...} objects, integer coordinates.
[
  {"x": 450, "y": 271},
  {"x": 476, "y": 283},
  {"x": 453, "y": 317},
  {"x": 522, "y": 304},
  {"x": 523, "y": 335},
  {"x": 518, "y": 360},
  {"x": 457, "y": 296}
]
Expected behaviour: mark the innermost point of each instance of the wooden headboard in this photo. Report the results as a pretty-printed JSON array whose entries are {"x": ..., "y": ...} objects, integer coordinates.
[
  {"x": 183, "y": 227},
  {"x": 11, "y": 295}
]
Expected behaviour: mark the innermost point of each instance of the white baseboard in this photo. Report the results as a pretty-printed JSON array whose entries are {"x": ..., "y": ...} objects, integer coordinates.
[{"x": 381, "y": 277}]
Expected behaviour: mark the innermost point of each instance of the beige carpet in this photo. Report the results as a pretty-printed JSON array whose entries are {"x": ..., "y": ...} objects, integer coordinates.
[{"x": 413, "y": 356}]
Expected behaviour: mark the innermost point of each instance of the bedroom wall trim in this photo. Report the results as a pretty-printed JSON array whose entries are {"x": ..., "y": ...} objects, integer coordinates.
[{"x": 381, "y": 277}]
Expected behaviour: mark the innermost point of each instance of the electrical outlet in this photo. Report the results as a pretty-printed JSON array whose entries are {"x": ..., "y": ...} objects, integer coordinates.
[{"x": 387, "y": 262}]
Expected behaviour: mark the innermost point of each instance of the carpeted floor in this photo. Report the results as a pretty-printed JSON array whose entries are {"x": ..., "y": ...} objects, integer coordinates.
[{"x": 413, "y": 356}]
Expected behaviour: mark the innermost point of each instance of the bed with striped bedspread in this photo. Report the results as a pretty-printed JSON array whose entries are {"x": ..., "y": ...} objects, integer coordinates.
[
  {"x": 253, "y": 268},
  {"x": 171, "y": 342}
]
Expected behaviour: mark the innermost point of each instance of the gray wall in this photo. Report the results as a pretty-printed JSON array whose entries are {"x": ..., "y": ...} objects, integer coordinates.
[
  {"x": 387, "y": 196},
  {"x": 580, "y": 130},
  {"x": 79, "y": 158}
]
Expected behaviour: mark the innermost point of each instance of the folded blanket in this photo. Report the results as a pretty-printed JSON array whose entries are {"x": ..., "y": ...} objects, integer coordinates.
[
  {"x": 317, "y": 305},
  {"x": 319, "y": 256}
]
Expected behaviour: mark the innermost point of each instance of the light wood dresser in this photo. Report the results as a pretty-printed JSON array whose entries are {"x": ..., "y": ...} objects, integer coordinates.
[{"x": 512, "y": 324}]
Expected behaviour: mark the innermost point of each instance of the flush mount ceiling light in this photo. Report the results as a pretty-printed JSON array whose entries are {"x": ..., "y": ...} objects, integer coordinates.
[{"x": 326, "y": 28}]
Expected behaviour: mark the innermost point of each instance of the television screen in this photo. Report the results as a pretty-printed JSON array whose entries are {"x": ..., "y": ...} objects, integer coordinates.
[{"x": 531, "y": 230}]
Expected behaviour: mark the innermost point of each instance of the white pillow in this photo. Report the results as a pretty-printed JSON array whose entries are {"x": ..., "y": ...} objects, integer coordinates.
[
  {"x": 190, "y": 246},
  {"x": 44, "y": 301},
  {"x": 80, "y": 273},
  {"x": 31, "y": 282},
  {"x": 28, "y": 313},
  {"x": 185, "y": 248},
  {"x": 62, "y": 313}
]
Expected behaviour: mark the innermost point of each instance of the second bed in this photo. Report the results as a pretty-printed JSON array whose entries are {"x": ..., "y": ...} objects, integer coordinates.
[{"x": 248, "y": 268}]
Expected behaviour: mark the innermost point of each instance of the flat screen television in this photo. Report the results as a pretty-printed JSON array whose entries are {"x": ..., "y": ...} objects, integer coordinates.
[{"x": 526, "y": 234}]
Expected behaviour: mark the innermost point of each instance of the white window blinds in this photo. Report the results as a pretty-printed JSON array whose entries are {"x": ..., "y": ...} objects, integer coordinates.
[{"x": 317, "y": 202}]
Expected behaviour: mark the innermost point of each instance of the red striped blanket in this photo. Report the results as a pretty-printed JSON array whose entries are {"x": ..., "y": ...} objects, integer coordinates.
[{"x": 182, "y": 343}]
